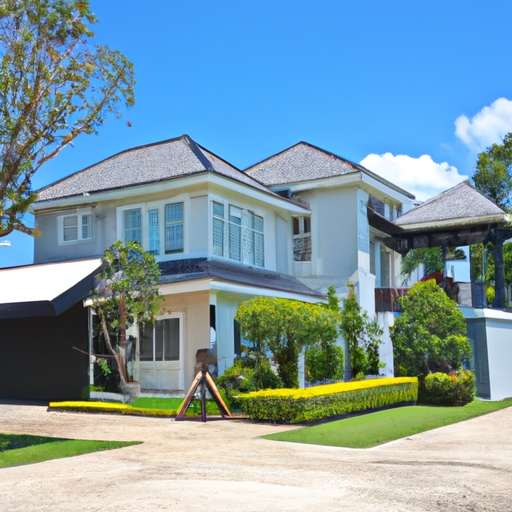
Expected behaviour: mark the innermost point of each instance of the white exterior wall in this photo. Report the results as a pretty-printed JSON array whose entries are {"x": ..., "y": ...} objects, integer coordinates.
[
  {"x": 498, "y": 332},
  {"x": 197, "y": 224},
  {"x": 386, "y": 321}
]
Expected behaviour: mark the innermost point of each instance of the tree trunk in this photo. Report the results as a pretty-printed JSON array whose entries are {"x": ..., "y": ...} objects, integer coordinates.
[{"x": 120, "y": 360}]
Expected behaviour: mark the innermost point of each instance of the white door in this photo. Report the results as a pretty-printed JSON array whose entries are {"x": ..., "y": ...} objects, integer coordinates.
[{"x": 160, "y": 354}]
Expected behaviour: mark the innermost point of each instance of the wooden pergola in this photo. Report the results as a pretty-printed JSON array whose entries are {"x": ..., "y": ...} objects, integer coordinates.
[{"x": 458, "y": 217}]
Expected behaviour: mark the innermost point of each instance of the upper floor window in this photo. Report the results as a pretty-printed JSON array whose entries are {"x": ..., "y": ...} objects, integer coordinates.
[
  {"x": 157, "y": 227},
  {"x": 75, "y": 228},
  {"x": 153, "y": 232},
  {"x": 302, "y": 238},
  {"x": 133, "y": 225},
  {"x": 377, "y": 205},
  {"x": 238, "y": 234},
  {"x": 174, "y": 228}
]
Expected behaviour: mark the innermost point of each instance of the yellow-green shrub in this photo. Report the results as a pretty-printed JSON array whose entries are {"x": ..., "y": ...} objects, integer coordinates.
[
  {"x": 111, "y": 408},
  {"x": 299, "y": 405}
]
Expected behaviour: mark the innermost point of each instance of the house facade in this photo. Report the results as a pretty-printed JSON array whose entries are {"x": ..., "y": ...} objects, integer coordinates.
[
  {"x": 220, "y": 237},
  {"x": 340, "y": 238}
]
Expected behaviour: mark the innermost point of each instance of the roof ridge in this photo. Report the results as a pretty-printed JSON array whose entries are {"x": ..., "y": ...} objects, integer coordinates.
[{"x": 111, "y": 157}]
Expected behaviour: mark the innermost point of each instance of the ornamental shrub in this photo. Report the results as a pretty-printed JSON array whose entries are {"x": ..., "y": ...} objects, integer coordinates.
[
  {"x": 363, "y": 336},
  {"x": 244, "y": 377},
  {"x": 430, "y": 334},
  {"x": 324, "y": 361},
  {"x": 442, "y": 389}
]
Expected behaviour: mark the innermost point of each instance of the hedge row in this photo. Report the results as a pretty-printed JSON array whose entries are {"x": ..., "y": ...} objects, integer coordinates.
[
  {"x": 111, "y": 408},
  {"x": 301, "y": 405}
]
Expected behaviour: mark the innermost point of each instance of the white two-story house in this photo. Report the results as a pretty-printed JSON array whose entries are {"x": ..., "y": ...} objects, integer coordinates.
[
  {"x": 219, "y": 235},
  {"x": 290, "y": 226}
]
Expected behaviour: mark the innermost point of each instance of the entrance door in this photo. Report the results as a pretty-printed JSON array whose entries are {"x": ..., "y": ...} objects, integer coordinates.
[{"x": 160, "y": 355}]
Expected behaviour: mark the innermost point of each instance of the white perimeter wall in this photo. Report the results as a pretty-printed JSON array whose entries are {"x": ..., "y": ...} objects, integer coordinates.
[{"x": 498, "y": 329}]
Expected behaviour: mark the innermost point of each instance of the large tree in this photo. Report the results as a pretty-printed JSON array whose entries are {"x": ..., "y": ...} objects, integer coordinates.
[
  {"x": 127, "y": 292},
  {"x": 493, "y": 177},
  {"x": 285, "y": 327},
  {"x": 54, "y": 85},
  {"x": 493, "y": 174}
]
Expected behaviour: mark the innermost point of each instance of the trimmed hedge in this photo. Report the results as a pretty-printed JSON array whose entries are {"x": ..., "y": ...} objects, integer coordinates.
[
  {"x": 302, "y": 405},
  {"x": 111, "y": 408}
]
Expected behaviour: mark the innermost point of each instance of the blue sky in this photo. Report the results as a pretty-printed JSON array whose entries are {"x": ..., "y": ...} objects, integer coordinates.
[{"x": 413, "y": 90}]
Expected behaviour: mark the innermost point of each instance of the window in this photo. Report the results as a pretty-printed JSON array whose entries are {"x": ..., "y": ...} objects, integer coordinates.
[
  {"x": 153, "y": 232},
  {"x": 133, "y": 225},
  {"x": 302, "y": 239},
  {"x": 238, "y": 235},
  {"x": 218, "y": 229},
  {"x": 75, "y": 228},
  {"x": 377, "y": 205},
  {"x": 385, "y": 268},
  {"x": 161, "y": 341},
  {"x": 174, "y": 228}
]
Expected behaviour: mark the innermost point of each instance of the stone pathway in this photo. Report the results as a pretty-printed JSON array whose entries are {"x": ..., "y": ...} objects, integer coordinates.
[{"x": 225, "y": 465}]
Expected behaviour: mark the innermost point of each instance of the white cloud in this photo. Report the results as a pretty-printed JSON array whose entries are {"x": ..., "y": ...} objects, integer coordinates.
[
  {"x": 487, "y": 126},
  {"x": 420, "y": 176}
]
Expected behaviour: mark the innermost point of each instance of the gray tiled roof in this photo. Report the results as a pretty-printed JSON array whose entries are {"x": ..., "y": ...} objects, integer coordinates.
[
  {"x": 305, "y": 162},
  {"x": 459, "y": 202},
  {"x": 302, "y": 162},
  {"x": 151, "y": 163}
]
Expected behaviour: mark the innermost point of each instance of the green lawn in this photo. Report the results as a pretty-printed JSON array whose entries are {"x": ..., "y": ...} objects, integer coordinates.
[
  {"x": 175, "y": 404},
  {"x": 380, "y": 427},
  {"x": 16, "y": 449}
]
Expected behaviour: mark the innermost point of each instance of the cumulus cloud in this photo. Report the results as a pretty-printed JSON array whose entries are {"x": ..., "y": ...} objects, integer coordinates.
[
  {"x": 420, "y": 176},
  {"x": 485, "y": 127}
]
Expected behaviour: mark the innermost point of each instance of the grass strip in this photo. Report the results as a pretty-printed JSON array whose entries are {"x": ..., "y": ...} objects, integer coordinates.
[
  {"x": 49, "y": 448},
  {"x": 376, "y": 428}
]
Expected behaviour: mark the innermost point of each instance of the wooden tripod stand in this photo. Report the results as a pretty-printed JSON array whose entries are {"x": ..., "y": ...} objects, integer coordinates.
[{"x": 203, "y": 381}]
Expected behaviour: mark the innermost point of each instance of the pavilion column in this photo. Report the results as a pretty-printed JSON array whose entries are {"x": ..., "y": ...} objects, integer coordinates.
[{"x": 499, "y": 273}]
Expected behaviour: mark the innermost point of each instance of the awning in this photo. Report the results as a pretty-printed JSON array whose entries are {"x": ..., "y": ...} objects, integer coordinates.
[{"x": 46, "y": 289}]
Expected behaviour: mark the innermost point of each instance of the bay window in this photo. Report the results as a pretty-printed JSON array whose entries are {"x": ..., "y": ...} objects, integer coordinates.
[{"x": 238, "y": 234}]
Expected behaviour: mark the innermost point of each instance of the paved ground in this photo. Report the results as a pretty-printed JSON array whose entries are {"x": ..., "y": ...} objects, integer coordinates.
[{"x": 224, "y": 465}]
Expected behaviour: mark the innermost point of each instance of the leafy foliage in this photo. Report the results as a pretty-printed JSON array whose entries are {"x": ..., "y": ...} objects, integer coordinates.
[
  {"x": 431, "y": 257},
  {"x": 285, "y": 327},
  {"x": 324, "y": 361},
  {"x": 442, "y": 389},
  {"x": 127, "y": 292},
  {"x": 430, "y": 334},
  {"x": 54, "y": 85},
  {"x": 362, "y": 335},
  {"x": 493, "y": 175}
]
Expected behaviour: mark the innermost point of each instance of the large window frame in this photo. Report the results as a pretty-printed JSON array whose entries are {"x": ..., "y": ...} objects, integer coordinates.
[
  {"x": 238, "y": 234},
  {"x": 302, "y": 238},
  {"x": 162, "y": 229},
  {"x": 161, "y": 341}
]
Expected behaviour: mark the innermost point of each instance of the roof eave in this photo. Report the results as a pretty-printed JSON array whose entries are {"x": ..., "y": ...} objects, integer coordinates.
[{"x": 459, "y": 222}]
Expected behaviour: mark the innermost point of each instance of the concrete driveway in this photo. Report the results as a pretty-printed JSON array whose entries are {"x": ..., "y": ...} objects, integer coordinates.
[{"x": 224, "y": 465}]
